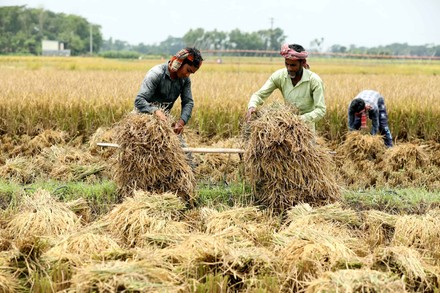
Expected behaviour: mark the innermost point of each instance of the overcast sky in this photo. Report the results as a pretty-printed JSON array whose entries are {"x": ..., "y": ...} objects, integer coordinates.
[{"x": 344, "y": 22}]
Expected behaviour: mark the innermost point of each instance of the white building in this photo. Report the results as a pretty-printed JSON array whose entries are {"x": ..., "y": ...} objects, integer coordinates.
[{"x": 54, "y": 48}]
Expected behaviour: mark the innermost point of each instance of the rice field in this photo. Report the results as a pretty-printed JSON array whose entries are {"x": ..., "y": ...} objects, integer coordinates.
[{"x": 337, "y": 214}]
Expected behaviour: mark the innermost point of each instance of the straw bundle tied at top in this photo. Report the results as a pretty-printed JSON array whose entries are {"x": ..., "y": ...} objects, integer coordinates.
[
  {"x": 285, "y": 165},
  {"x": 152, "y": 158}
]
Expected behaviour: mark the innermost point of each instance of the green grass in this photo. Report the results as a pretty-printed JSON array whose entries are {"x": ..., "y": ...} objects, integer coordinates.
[{"x": 101, "y": 196}]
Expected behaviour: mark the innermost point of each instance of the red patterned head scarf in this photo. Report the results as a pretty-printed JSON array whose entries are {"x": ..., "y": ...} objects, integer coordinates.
[
  {"x": 291, "y": 54},
  {"x": 177, "y": 60}
]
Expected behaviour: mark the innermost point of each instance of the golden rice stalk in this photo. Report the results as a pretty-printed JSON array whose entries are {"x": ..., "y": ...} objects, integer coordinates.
[
  {"x": 102, "y": 134},
  {"x": 81, "y": 245},
  {"x": 9, "y": 280},
  {"x": 143, "y": 214},
  {"x": 197, "y": 250},
  {"x": 311, "y": 250},
  {"x": 284, "y": 164},
  {"x": 42, "y": 215},
  {"x": 379, "y": 227},
  {"x": 19, "y": 169},
  {"x": 433, "y": 149},
  {"x": 356, "y": 281},
  {"x": 241, "y": 224},
  {"x": 305, "y": 214},
  {"x": 361, "y": 147},
  {"x": 81, "y": 208},
  {"x": 407, "y": 263},
  {"x": 405, "y": 156},
  {"x": 419, "y": 232},
  {"x": 125, "y": 276},
  {"x": 46, "y": 138},
  {"x": 151, "y": 158},
  {"x": 250, "y": 262}
]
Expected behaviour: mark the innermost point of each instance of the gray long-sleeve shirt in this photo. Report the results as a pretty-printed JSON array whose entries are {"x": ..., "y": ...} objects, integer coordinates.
[{"x": 158, "y": 90}]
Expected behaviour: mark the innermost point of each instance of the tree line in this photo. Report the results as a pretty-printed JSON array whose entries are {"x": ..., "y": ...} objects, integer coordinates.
[{"x": 22, "y": 30}]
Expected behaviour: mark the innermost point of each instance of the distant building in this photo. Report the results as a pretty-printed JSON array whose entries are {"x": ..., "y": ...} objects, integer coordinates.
[{"x": 54, "y": 48}]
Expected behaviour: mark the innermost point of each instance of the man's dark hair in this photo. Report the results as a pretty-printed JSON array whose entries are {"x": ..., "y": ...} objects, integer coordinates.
[
  {"x": 297, "y": 48},
  {"x": 197, "y": 57},
  {"x": 356, "y": 106}
]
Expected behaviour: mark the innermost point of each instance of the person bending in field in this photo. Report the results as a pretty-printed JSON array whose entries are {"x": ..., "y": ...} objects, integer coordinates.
[
  {"x": 164, "y": 83},
  {"x": 299, "y": 86},
  {"x": 371, "y": 104}
]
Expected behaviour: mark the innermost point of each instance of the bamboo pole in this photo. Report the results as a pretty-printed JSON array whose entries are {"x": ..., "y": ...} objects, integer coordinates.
[{"x": 189, "y": 150}]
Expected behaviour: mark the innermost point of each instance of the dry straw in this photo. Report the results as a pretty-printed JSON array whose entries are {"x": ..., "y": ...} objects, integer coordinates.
[
  {"x": 284, "y": 164},
  {"x": 358, "y": 157},
  {"x": 419, "y": 232},
  {"x": 138, "y": 219},
  {"x": 151, "y": 158},
  {"x": 356, "y": 281},
  {"x": 125, "y": 276},
  {"x": 409, "y": 265},
  {"x": 42, "y": 215}
]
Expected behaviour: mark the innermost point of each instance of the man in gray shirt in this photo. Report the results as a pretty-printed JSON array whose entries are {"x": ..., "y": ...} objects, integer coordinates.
[
  {"x": 371, "y": 104},
  {"x": 164, "y": 83}
]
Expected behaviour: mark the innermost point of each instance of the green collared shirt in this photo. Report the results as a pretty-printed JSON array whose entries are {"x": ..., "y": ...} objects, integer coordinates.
[{"x": 307, "y": 96}]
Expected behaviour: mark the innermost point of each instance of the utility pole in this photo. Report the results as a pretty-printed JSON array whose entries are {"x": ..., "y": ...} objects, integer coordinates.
[{"x": 91, "y": 40}]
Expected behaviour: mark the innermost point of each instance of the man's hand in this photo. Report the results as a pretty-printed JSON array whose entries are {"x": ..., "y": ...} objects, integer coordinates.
[
  {"x": 249, "y": 113},
  {"x": 178, "y": 127},
  {"x": 161, "y": 115}
]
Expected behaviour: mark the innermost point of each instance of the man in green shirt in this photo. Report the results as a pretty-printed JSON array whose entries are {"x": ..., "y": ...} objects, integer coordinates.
[{"x": 299, "y": 86}]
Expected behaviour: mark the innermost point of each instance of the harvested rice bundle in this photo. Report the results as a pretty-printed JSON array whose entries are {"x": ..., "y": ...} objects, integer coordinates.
[
  {"x": 102, "y": 134},
  {"x": 67, "y": 163},
  {"x": 151, "y": 158},
  {"x": 81, "y": 208},
  {"x": 360, "y": 147},
  {"x": 304, "y": 214},
  {"x": 356, "y": 281},
  {"x": 357, "y": 159},
  {"x": 405, "y": 156},
  {"x": 284, "y": 164},
  {"x": 409, "y": 265},
  {"x": 246, "y": 263},
  {"x": 42, "y": 215},
  {"x": 19, "y": 169},
  {"x": 126, "y": 276},
  {"x": 46, "y": 138},
  {"x": 404, "y": 166},
  {"x": 146, "y": 213},
  {"x": 379, "y": 227},
  {"x": 243, "y": 224},
  {"x": 219, "y": 167},
  {"x": 197, "y": 250},
  {"x": 9, "y": 281},
  {"x": 433, "y": 149},
  {"x": 309, "y": 251},
  {"x": 82, "y": 246},
  {"x": 419, "y": 232}
]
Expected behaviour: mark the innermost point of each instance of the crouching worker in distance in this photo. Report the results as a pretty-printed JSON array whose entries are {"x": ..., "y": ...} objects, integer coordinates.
[{"x": 371, "y": 104}]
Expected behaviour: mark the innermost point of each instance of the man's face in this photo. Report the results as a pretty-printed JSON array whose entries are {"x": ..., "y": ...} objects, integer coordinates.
[
  {"x": 293, "y": 66},
  {"x": 186, "y": 70}
]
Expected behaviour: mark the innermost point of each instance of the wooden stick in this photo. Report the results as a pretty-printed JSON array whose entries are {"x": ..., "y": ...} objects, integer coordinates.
[{"x": 189, "y": 150}]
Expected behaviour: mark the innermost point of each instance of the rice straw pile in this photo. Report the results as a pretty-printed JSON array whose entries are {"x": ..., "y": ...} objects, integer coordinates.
[
  {"x": 137, "y": 218},
  {"x": 151, "y": 158},
  {"x": 284, "y": 164},
  {"x": 356, "y": 281},
  {"x": 42, "y": 215}
]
